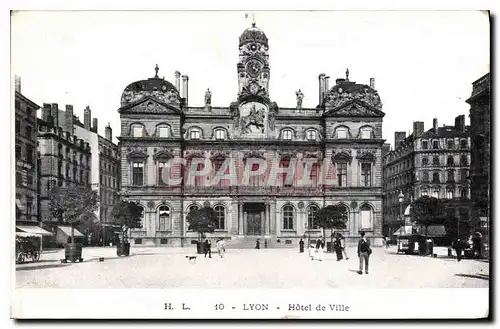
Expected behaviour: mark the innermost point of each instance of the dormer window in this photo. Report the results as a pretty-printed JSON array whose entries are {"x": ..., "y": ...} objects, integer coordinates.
[
  {"x": 138, "y": 131},
  {"x": 287, "y": 134},
  {"x": 341, "y": 133},
  {"x": 220, "y": 134},
  {"x": 425, "y": 145},
  {"x": 435, "y": 145},
  {"x": 311, "y": 134},
  {"x": 163, "y": 131},
  {"x": 195, "y": 134},
  {"x": 366, "y": 133}
]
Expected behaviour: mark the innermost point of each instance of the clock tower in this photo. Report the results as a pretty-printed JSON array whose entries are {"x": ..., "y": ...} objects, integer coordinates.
[{"x": 253, "y": 64}]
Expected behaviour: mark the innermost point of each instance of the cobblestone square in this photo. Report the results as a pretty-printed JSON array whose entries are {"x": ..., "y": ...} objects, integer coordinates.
[{"x": 249, "y": 268}]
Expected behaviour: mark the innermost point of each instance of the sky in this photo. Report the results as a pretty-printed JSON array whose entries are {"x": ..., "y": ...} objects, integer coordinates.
[{"x": 423, "y": 62}]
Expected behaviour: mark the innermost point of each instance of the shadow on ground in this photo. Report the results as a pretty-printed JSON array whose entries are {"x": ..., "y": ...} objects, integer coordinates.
[
  {"x": 40, "y": 266},
  {"x": 475, "y": 276}
]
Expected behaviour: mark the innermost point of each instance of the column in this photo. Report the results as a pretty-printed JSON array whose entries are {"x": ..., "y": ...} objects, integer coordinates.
[
  {"x": 268, "y": 220},
  {"x": 240, "y": 218}
]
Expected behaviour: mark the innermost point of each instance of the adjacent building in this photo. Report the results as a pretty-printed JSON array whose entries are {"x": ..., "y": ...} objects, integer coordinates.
[
  {"x": 265, "y": 170},
  {"x": 433, "y": 163},
  {"x": 25, "y": 158},
  {"x": 480, "y": 172}
]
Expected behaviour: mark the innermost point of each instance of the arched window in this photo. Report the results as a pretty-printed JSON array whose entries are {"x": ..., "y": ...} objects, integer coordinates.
[
  {"x": 366, "y": 133},
  {"x": 435, "y": 193},
  {"x": 195, "y": 133},
  {"x": 366, "y": 215},
  {"x": 463, "y": 160},
  {"x": 162, "y": 131},
  {"x": 463, "y": 144},
  {"x": 163, "y": 218},
  {"x": 451, "y": 176},
  {"x": 341, "y": 132},
  {"x": 425, "y": 161},
  {"x": 425, "y": 145},
  {"x": 449, "y": 193},
  {"x": 220, "y": 134},
  {"x": 193, "y": 207},
  {"x": 288, "y": 214},
  {"x": 425, "y": 176},
  {"x": 450, "y": 161},
  {"x": 435, "y": 177},
  {"x": 220, "y": 212},
  {"x": 435, "y": 161},
  {"x": 311, "y": 215},
  {"x": 311, "y": 135},
  {"x": 286, "y": 134},
  {"x": 435, "y": 145},
  {"x": 463, "y": 193}
]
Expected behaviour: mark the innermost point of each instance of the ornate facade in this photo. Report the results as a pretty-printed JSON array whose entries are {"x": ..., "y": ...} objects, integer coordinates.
[{"x": 264, "y": 169}]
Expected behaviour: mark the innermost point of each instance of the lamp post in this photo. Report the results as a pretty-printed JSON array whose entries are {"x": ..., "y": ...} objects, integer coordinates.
[{"x": 401, "y": 198}]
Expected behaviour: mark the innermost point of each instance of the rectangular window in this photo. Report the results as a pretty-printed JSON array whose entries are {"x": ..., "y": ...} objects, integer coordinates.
[
  {"x": 137, "y": 173},
  {"x": 311, "y": 135},
  {"x": 28, "y": 132},
  {"x": 424, "y": 145},
  {"x": 138, "y": 131},
  {"x": 195, "y": 134},
  {"x": 342, "y": 173},
  {"x": 366, "y": 133},
  {"x": 366, "y": 174},
  {"x": 287, "y": 134},
  {"x": 161, "y": 167},
  {"x": 341, "y": 133},
  {"x": 18, "y": 127},
  {"x": 29, "y": 206},
  {"x": 220, "y": 134},
  {"x": 450, "y": 144},
  {"x": 162, "y": 132},
  {"x": 313, "y": 177},
  {"x": 18, "y": 152},
  {"x": 29, "y": 154},
  {"x": 366, "y": 219}
]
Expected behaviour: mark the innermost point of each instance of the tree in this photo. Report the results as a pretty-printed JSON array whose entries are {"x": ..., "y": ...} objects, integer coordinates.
[
  {"x": 74, "y": 205},
  {"x": 427, "y": 211},
  {"x": 128, "y": 215},
  {"x": 202, "y": 220},
  {"x": 331, "y": 217}
]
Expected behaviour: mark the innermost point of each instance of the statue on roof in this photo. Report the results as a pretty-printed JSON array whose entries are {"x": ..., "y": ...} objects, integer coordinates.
[
  {"x": 156, "y": 70},
  {"x": 300, "y": 97},
  {"x": 347, "y": 74},
  {"x": 208, "y": 97}
]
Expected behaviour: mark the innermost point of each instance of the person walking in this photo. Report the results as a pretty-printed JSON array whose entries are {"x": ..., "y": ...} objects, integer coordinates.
[
  {"x": 476, "y": 245},
  {"x": 312, "y": 251},
  {"x": 301, "y": 246},
  {"x": 221, "y": 247},
  {"x": 343, "y": 246},
  {"x": 257, "y": 244},
  {"x": 364, "y": 252},
  {"x": 208, "y": 248},
  {"x": 459, "y": 246},
  {"x": 320, "y": 244},
  {"x": 338, "y": 248}
]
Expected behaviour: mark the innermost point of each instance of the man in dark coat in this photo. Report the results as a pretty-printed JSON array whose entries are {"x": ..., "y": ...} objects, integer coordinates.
[
  {"x": 364, "y": 252},
  {"x": 301, "y": 246},
  {"x": 208, "y": 248},
  {"x": 338, "y": 247},
  {"x": 459, "y": 246}
]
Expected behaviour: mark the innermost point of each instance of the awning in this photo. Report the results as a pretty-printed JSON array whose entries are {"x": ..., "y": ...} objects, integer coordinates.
[
  {"x": 67, "y": 230},
  {"x": 404, "y": 230},
  {"x": 434, "y": 231},
  {"x": 33, "y": 230}
]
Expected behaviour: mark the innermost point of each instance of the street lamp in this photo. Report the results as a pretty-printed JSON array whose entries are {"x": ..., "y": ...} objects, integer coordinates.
[{"x": 401, "y": 198}]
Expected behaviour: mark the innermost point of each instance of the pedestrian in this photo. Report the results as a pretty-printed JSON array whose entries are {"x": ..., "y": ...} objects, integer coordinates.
[
  {"x": 476, "y": 245},
  {"x": 343, "y": 246},
  {"x": 312, "y": 251},
  {"x": 221, "y": 247},
  {"x": 459, "y": 246},
  {"x": 208, "y": 248},
  {"x": 301, "y": 246},
  {"x": 257, "y": 244},
  {"x": 320, "y": 244},
  {"x": 364, "y": 252},
  {"x": 386, "y": 242},
  {"x": 337, "y": 247}
]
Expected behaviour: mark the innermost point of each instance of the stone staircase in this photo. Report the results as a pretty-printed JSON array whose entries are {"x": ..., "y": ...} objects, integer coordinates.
[{"x": 250, "y": 242}]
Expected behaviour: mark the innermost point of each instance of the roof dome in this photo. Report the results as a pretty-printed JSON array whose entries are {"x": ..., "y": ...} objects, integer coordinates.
[
  {"x": 156, "y": 87},
  {"x": 345, "y": 91},
  {"x": 253, "y": 34}
]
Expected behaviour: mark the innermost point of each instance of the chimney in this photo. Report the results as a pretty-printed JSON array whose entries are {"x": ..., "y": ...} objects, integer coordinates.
[
  {"x": 17, "y": 83},
  {"x": 460, "y": 123},
  {"x": 185, "y": 80},
  {"x": 321, "y": 79},
  {"x": 399, "y": 136},
  {"x": 68, "y": 119},
  {"x": 435, "y": 125},
  {"x": 418, "y": 128},
  {"x": 178, "y": 80},
  {"x": 87, "y": 116},
  {"x": 108, "y": 133},
  {"x": 55, "y": 114},
  {"x": 327, "y": 85},
  {"x": 46, "y": 113},
  {"x": 94, "y": 125},
  {"x": 372, "y": 83}
]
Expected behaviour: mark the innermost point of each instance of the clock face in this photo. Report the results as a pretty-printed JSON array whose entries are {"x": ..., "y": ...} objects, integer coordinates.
[
  {"x": 253, "y": 67},
  {"x": 253, "y": 47}
]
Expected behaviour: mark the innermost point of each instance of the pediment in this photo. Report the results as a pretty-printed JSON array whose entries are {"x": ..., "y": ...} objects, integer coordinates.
[
  {"x": 354, "y": 108},
  {"x": 150, "y": 105}
]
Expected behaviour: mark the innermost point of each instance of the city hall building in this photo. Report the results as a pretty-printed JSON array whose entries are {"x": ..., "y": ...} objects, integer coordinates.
[{"x": 265, "y": 170}]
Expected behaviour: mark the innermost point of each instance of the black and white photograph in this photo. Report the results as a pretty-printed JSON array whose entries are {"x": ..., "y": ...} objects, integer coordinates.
[{"x": 250, "y": 164}]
